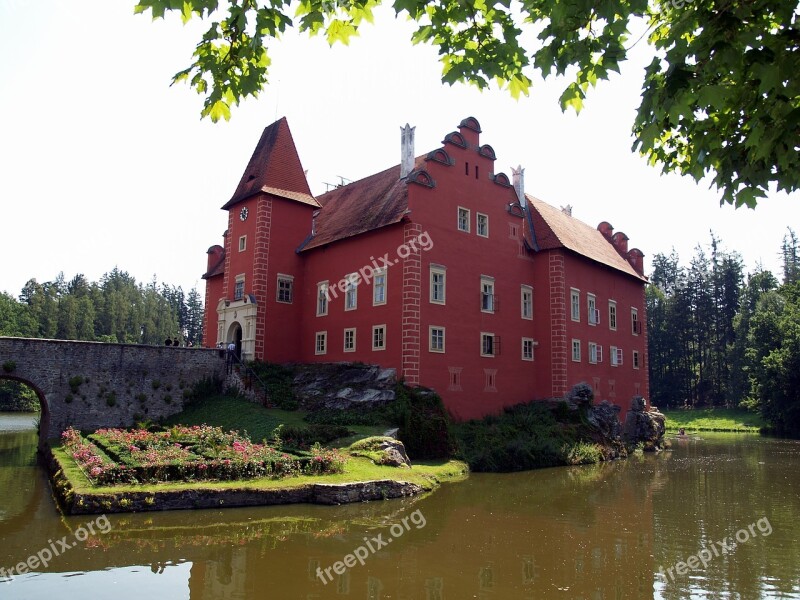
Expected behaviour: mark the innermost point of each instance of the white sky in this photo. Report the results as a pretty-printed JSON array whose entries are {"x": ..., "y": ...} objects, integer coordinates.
[{"x": 102, "y": 164}]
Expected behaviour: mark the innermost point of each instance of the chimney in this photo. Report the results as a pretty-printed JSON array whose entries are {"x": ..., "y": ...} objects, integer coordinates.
[
  {"x": 636, "y": 258},
  {"x": 620, "y": 241},
  {"x": 606, "y": 229},
  {"x": 518, "y": 178},
  {"x": 215, "y": 254},
  {"x": 314, "y": 222},
  {"x": 406, "y": 150}
]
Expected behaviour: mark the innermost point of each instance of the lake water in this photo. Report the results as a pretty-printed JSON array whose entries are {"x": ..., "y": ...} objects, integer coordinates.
[{"x": 726, "y": 504}]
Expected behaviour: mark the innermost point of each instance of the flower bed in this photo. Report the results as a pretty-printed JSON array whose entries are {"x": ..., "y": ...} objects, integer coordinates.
[{"x": 199, "y": 453}]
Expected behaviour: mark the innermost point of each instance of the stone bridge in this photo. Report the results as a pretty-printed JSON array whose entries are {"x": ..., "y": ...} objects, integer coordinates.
[{"x": 89, "y": 385}]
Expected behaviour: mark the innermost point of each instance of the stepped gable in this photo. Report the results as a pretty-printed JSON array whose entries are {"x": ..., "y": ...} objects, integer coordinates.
[{"x": 274, "y": 168}]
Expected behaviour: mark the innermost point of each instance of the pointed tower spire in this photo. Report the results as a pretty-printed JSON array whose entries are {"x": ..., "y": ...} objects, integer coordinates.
[{"x": 274, "y": 164}]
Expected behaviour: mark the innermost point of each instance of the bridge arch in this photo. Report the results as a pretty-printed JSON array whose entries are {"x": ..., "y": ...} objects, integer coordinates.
[
  {"x": 88, "y": 385},
  {"x": 44, "y": 409}
]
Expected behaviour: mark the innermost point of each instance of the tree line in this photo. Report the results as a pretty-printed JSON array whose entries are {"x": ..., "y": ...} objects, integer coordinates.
[
  {"x": 718, "y": 337},
  {"x": 115, "y": 309}
]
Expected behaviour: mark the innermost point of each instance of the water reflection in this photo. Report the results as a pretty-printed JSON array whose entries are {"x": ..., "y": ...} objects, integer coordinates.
[{"x": 591, "y": 532}]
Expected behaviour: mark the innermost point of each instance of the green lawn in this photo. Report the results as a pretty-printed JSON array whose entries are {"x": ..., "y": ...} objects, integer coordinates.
[
  {"x": 237, "y": 414},
  {"x": 259, "y": 422},
  {"x": 714, "y": 419},
  {"x": 427, "y": 474}
]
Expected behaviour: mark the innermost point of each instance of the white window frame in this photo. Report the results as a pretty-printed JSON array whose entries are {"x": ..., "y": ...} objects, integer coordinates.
[
  {"x": 576, "y": 350},
  {"x": 635, "y": 321},
  {"x": 526, "y": 289},
  {"x": 384, "y": 287},
  {"x": 466, "y": 221},
  {"x": 592, "y": 313},
  {"x": 242, "y": 243},
  {"x": 612, "y": 315},
  {"x": 352, "y": 331},
  {"x": 490, "y": 305},
  {"x": 575, "y": 304},
  {"x": 487, "y": 334},
  {"x": 595, "y": 353},
  {"x": 322, "y": 298},
  {"x": 616, "y": 356},
  {"x": 351, "y": 291},
  {"x": 431, "y": 346},
  {"x": 530, "y": 342},
  {"x": 238, "y": 287},
  {"x": 375, "y": 328},
  {"x": 478, "y": 225},
  {"x": 282, "y": 277},
  {"x": 438, "y": 270},
  {"x": 321, "y": 336},
  {"x": 636, "y": 360}
]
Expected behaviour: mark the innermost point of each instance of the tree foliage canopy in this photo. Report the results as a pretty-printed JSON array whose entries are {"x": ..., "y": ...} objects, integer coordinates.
[
  {"x": 721, "y": 96},
  {"x": 715, "y": 339},
  {"x": 115, "y": 309}
]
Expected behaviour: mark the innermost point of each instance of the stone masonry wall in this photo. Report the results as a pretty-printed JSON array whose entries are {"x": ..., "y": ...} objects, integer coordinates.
[{"x": 89, "y": 385}]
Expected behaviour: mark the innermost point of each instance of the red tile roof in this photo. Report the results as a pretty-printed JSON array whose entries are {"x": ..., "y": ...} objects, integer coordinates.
[
  {"x": 274, "y": 164},
  {"x": 370, "y": 203},
  {"x": 296, "y": 196},
  {"x": 217, "y": 269},
  {"x": 556, "y": 229}
]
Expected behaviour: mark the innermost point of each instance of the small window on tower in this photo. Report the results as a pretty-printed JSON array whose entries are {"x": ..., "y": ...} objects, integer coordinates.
[
  {"x": 285, "y": 289},
  {"x": 238, "y": 288},
  {"x": 243, "y": 243}
]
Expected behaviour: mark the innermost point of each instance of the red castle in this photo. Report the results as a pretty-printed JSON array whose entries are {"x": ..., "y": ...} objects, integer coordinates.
[{"x": 438, "y": 267}]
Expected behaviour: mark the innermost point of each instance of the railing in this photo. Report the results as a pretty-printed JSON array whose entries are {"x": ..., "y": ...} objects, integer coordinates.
[{"x": 248, "y": 374}]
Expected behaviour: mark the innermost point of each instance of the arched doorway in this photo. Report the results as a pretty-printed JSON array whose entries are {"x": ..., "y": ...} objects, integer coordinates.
[{"x": 235, "y": 336}]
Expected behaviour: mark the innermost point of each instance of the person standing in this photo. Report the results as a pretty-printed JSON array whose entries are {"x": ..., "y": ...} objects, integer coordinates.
[{"x": 231, "y": 355}]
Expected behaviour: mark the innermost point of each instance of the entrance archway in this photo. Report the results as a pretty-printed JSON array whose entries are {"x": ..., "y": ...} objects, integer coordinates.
[{"x": 235, "y": 336}]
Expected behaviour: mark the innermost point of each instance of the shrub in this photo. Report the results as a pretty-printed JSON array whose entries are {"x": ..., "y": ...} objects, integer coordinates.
[
  {"x": 74, "y": 383},
  {"x": 280, "y": 383},
  {"x": 205, "y": 388},
  {"x": 156, "y": 384},
  {"x": 9, "y": 366},
  {"x": 305, "y": 437},
  {"x": 526, "y": 436},
  {"x": 111, "y": 399},
  {"x": 425, "y": 428}
]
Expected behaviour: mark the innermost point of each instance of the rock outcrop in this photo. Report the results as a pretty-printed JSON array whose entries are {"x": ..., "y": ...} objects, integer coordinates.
[
  {"x": 382, "y": 451},
  {"x": 643, "y": 426},
  {"x": 343, "y": 385}
]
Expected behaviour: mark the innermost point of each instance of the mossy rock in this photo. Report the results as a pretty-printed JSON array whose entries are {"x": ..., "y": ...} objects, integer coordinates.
[{"x": 382, "y": 450}]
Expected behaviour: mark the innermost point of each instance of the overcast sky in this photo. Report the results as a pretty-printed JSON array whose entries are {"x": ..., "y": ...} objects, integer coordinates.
[{"x": 103, "y": 164}]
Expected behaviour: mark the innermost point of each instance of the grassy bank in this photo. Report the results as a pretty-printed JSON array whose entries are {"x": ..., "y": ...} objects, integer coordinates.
[
  {"x": 241, "y": 415},
  {"x": 532, "y": 436},
  {"x": 714, "y": 419},
  {"x": 426, "y": 474},
  {"x": 232, "y": 413}
]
